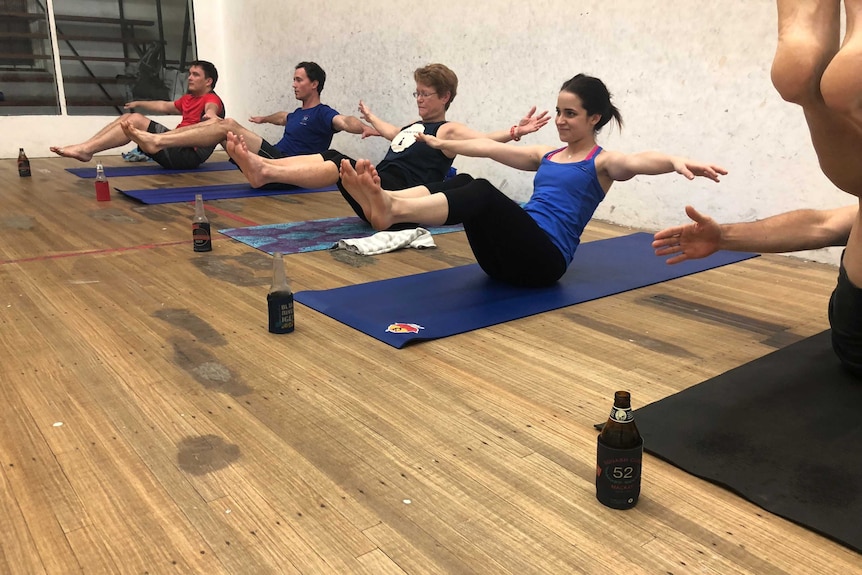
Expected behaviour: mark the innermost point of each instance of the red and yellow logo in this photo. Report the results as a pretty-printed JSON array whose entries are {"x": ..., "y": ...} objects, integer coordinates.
[{"x": 403, "y": 328}]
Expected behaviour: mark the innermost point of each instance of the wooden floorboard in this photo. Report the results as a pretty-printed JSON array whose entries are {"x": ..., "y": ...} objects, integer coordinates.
[{"x": 149, "y": 423}]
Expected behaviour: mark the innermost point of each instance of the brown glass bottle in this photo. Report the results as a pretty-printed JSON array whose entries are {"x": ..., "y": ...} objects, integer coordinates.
[
  {"x": 618, "y": 457},
  {"x": 279, "y": 300},
  {"x": 201, "y": 237},
  {"x": 23, "y": 164}
]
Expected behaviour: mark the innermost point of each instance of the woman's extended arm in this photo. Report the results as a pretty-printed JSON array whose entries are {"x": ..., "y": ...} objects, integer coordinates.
[
  {"x": 527, "y": 125},
  {"x": 621, "y": 167},
  {"x": 384, "y": 129},
  {"x": 519, "y": 157}
]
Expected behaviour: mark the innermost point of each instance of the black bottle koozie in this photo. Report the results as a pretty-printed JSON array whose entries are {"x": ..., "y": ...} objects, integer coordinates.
[{"x": 618, "y": 475}]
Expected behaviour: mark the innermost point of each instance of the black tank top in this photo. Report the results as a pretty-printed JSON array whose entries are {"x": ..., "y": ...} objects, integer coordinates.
[{"x": 416, "y": 163}]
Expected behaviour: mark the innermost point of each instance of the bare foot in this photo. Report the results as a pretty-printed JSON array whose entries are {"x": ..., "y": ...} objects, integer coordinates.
[
  {"x": 145, "y": 140},
  {"x": 251, "y": 165},
  {"x": 363, "y": 184},
  {"x": 76, "y": 152}
]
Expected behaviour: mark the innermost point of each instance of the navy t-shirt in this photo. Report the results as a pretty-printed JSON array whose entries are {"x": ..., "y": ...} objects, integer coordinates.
[{"x": 307, "y": 131}]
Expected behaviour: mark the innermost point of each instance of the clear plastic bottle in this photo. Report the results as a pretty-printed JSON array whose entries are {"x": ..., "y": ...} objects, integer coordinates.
[
  {"x": 201, "y": 236},
  {"x": 103, "y": 190},
  {"x": 279, "y": 300},
  {"x": 618, "y": 456}
]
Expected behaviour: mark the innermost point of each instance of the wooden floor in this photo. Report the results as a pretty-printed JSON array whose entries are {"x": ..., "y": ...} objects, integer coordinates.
[{"x": 149, "y": 423}]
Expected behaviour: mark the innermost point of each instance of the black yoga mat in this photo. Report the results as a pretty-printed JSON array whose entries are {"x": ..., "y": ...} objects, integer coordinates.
[{"x": 783, "y": 431}]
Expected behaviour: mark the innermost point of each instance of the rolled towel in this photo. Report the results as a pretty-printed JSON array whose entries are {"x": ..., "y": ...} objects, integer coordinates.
[{"x": 383, "y": 242}]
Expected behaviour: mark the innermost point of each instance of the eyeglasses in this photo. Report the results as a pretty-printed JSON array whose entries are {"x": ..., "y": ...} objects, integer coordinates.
[{"x": 424, "y": 95}]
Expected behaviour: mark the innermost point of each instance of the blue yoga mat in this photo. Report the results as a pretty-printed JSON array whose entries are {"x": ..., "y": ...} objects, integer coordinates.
[
  {"x": 456, "y": 300},
  {"x": 215, "y": 192},
  {"x": 121, "y": 171}
]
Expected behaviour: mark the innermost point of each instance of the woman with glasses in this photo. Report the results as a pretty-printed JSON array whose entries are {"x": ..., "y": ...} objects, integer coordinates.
[
  {"x": 408, "y": 162},
  {"x": 531, "y": 245}
]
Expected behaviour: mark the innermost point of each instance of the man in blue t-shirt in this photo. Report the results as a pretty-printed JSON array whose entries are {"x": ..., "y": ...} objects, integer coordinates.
[{"x": 307, "y": 130}]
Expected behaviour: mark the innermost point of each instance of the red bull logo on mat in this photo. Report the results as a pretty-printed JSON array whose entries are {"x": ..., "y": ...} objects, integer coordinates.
[{"x": 403, "y": 328}]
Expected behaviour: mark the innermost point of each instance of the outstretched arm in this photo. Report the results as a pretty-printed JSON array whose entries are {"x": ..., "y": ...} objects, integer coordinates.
[
  {"x": 155, "y": 106},
  {"x": 211, "y": 111},
  {"x": 519, "y": 157},
  {"x": 621, "y": 167},
  {"x": 277, "y": 118},
  {"x": 787, "y": 232},
  {"x": 527, "y": 125},
  {"x": 350, "y": 124},
  {"x": 384, "y": 129}
]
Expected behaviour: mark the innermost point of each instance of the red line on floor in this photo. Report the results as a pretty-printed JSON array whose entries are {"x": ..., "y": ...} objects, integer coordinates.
[
  {"x": 230, "y": 215},
  {"x": 93, "y": 252}
]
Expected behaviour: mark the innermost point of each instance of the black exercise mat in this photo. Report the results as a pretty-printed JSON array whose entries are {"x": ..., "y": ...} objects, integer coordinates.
[{"x": 784, "y": 431}]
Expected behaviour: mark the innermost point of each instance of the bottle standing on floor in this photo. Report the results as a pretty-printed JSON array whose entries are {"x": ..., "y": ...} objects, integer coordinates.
[
  {"x": 201, "y": 227},
  {"x": 279, "y": 300},
  {"x": 23, "y": 164},
  {"x": 618, "y": 456},
  {"x": 103, "y": 190}
]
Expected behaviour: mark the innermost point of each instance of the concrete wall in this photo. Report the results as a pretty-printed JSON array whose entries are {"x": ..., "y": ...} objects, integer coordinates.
[{"x": 690, "y": 77}]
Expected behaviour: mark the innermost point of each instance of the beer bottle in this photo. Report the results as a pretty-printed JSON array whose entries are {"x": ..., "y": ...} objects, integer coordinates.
[
  {"x": 103, "y": 190},
  {"x": 279, "y": 300},
  {"x": 201, "y": 227},
  {"x": 23, "y": 164},
  {"x": 618, "y": 456}
]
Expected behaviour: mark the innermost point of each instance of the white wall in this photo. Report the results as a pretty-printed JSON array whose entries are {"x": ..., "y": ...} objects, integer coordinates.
[{"x": 690, "y": 77}]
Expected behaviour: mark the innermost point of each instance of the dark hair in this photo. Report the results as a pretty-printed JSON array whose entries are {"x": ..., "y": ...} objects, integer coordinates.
[
  {"x": 209, "y": 70},
  {"x": 439, "y": 77},
  {"x": 314, "y": 72},
  {"x": 595, "y": 98}
]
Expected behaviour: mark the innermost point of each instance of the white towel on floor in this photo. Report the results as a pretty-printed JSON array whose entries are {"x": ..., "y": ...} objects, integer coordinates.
[{"x": 383, "y": 242}]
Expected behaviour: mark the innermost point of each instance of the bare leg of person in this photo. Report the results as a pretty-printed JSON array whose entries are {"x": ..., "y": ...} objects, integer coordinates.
[
  {"x": 208, "y": 133},
  {"x": 384, "y": 209},
  {"x": 310, "y": 171},
  {"x": 808, "y": 39},
  {"x": 111, "y": 136}
]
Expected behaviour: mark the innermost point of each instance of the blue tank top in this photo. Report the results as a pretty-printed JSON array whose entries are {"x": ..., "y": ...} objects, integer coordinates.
[
  {"x": 307, "y": 131},
  {"x": 416, "y": 162},
  {"x": 565, "y": 196}
]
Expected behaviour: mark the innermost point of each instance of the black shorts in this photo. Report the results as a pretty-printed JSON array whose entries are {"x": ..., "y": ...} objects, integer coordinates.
[
  {"x": 267, "y": 150},
  {"x": 845, "y": 317},
  {"x": 178, "y": 158}
]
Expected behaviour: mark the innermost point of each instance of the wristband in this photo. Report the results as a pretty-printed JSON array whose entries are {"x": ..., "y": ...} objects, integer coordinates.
[{"x": 512, "y": 134}]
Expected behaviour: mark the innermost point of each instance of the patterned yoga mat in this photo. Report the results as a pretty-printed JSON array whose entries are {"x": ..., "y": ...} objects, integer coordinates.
[{"x": 309, "y": 236}]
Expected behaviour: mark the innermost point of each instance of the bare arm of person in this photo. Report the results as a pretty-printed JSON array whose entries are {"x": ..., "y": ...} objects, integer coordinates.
[
  {"x": 384, "y": 129},
  {"x": 620, "y": 167},
  {"x": 792, "y": 231},
  {"x": 211, "y": 111},
  {"x": 520, "y": 157},
  {"x": 277, "y": 118},
  {"x": 350, "y": 124},
  {"x": 527, "y": 125},
  {"x": 163, "y": 107}
]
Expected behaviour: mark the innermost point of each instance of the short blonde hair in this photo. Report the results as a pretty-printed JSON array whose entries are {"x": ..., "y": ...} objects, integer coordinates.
[{"x": 439, "y": 77}]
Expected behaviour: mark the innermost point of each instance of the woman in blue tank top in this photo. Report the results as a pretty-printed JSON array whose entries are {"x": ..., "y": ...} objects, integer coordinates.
[{"x": 531, "y": 245}]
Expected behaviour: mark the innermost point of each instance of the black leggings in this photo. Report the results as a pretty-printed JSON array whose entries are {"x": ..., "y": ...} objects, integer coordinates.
[
  {"x": 508, "y": 243},
  {"x": 845, "y": 310},
  {"x": 390, "y": 179}
]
